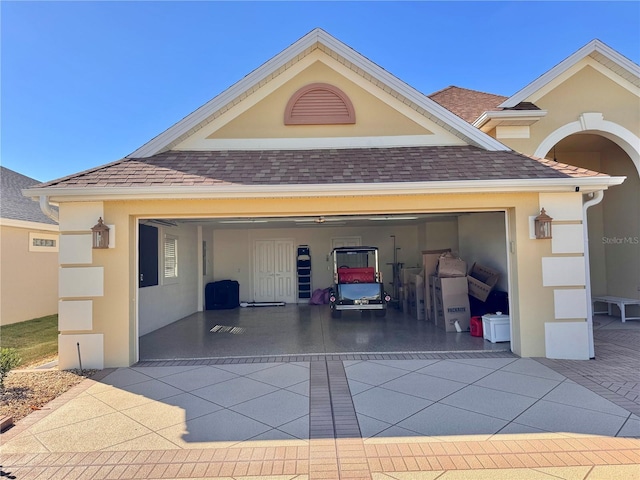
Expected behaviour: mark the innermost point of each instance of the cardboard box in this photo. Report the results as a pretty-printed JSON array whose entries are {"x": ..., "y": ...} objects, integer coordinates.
[
  {"x": 450, "y": 265},
  {"x": 430, "y": 260},
  {"x": 452, "y": 303},
  {"x": 430, "y": 265},
  {"x": 481, "y": 281},
  {"x": 416, "y": 296},
  {"x": 433, "y": 312},
  {"x": 405, "y": 279}
]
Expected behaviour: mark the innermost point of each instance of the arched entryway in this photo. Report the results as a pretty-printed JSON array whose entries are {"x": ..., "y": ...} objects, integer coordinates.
[{"x": 613, "y": 224}]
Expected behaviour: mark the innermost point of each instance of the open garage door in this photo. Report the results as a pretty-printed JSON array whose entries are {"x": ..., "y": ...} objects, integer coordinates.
[{"x": 260, "y": 254}]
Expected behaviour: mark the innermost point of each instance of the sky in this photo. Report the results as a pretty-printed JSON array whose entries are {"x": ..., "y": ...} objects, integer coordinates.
[{"x": 86, "y": 83}]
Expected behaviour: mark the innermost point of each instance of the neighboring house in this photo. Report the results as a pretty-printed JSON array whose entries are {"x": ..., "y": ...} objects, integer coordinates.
[
  {"x": 583, "y": 112},
  {"x": 321, "y": 147},
  {"x": 28, "y": 253}
]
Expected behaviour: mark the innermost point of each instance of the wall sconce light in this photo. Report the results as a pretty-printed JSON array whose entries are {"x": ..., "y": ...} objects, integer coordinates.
[
  {"x": 100, "y": 235},
  {"x": 542, "y": 225}
]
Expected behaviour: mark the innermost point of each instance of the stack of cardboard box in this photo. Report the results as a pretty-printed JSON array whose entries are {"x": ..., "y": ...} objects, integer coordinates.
[
  {"x": 450, "y": 287},
  {"x": 430, "y": 265},
  {"x": 416, "y": 296},
  {"x": 451, "y": 294},
  {"x": 407, "y": 287}
]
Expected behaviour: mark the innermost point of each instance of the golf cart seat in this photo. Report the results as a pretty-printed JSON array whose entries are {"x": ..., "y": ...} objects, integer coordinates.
[{"x": 356, "y": 275}]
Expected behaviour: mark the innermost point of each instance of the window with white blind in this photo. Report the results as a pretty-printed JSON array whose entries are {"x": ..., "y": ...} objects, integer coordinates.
[{"x": 170, "y": 258}]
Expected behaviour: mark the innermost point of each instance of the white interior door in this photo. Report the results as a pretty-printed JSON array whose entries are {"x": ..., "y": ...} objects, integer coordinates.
[
  {"x": 274, "y": 271},
  {"x": 263, "y": 271}
]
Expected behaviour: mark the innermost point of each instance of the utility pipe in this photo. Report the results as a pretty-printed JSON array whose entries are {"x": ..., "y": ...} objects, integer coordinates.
[
  {"x": 45, "y": 206},
  {"x": 597, "y": 198}
]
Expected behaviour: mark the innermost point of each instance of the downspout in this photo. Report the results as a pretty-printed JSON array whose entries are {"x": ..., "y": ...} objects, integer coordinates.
[
  {"x": 45, "y": 206},
  {"x": 597, "y": 198}
]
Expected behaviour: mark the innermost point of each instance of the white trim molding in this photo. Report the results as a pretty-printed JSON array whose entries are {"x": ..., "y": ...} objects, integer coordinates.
[
  {"x": 491, "y": 119},
  {"x": 595, "y": 49},
  {"x": 46, "y": 227},
  {"x": 310, "y": 143},
  {"x": 594, "y": 122}
]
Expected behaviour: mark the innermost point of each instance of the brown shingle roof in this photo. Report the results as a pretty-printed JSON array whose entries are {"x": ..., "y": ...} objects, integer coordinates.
[
  {"x": 467, "y": 104},
  {"x": 355, "y": 165}
]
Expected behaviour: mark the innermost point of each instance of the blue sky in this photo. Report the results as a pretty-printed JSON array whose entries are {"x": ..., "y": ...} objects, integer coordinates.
[{"x": 86, "y": 83}]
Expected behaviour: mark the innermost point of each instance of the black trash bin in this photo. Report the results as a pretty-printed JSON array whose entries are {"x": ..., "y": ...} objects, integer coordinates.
[{"x": 222, "y": 295}]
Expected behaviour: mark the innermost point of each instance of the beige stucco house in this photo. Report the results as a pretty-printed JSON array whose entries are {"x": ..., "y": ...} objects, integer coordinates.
[
  {"x": 28, "y": 253},
  {"x": 319, "y": 146}
]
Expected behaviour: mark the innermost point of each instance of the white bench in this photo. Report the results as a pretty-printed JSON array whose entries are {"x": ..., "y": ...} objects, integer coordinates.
[{"x": 621, "y": 302}]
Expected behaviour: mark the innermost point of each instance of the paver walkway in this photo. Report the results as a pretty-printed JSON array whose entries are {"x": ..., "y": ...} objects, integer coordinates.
[{"x": 378, "y": 416}]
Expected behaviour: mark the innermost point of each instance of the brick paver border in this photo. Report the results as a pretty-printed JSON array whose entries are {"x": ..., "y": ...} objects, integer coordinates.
[{"x": 354, "y": 458}]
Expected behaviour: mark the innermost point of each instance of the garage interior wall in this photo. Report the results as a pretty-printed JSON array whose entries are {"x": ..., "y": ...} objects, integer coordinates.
[
  {"x": 482, "y": 238},
  {"x": 172, "y": 299},
  {"x": 439, "y": 234},
  {"x": 233, "y": 251},
  {"x": 207, "y": 270}
]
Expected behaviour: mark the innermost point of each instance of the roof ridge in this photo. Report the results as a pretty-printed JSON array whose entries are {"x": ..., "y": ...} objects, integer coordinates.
[{"x": 468, "y": 90}]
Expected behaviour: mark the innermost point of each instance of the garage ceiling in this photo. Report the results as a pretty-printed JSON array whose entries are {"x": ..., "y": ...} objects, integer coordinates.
[{"x": 322, "y": 221}]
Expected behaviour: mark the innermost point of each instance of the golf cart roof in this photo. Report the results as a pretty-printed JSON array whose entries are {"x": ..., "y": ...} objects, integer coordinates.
[{"x": 355, "y": 249}]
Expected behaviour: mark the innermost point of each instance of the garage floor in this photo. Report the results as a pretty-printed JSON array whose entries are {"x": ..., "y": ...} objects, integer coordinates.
[{"x": 301, "y": 329}]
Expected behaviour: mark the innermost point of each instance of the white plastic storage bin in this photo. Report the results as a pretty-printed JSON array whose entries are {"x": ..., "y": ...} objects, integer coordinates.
[{"x": 496, "y": 328}]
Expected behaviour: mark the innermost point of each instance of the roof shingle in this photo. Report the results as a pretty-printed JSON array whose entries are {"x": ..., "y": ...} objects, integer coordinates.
[
  {"x": 15, "y": 206},
  {"x": 465, "y": 103},
  {"x": 306, "y": 167}
]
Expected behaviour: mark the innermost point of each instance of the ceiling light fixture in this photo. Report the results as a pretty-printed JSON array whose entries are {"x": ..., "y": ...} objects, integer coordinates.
[
  {"x": 319, "y": 219},
  {"x": 244, "y": 221},
  {"x": 376, "y": 219}
]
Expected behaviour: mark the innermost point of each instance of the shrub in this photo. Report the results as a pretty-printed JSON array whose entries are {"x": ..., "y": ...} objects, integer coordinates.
[{"x": 9, "y": 359}]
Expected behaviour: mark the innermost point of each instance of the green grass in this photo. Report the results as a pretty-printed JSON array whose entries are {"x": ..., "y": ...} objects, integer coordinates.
[{"x": 36, "y": 340}]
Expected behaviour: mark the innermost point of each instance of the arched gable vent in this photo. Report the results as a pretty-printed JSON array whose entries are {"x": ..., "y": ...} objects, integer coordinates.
[{"x": 319, "y": 104}]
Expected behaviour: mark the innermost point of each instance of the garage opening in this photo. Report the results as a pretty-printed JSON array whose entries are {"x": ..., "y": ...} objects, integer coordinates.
[{"x": 277, "y": 264}]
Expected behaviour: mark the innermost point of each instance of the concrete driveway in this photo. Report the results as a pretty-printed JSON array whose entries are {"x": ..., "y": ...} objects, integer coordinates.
[{"x": 420, "y": 415}]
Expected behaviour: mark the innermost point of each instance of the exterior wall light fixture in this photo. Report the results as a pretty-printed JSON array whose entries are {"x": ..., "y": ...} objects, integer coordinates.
[
  {"x": 542, "y": 225},
  {"x": 100, "y": 235}
]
